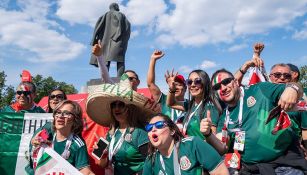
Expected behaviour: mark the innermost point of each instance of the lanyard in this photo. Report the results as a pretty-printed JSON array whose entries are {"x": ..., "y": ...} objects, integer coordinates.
[
  {"x": 178, "y": 113},
  {"x": 113, "y": 150},
  {"x": 66, "y": 152},
  {"x": 175, "y": 161},
  {"x": 185, "y": 126},
  {"x": 227, "y": 119}
]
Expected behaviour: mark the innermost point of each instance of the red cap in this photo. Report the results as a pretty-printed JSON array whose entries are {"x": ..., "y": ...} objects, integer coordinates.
[{"x": 179, "y": 78}]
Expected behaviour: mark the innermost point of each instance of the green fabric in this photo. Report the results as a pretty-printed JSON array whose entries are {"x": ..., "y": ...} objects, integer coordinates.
[
  {"x": 36, "y": 109},
  {"x": 199, "y": 153},
  {"x": 260, "y": 144},
  {"x": 167, "y": 110},
  {"x": 78, "y": 152},
  {"x": 193, "y": 128},
  {"x": 128, "y": 159}
]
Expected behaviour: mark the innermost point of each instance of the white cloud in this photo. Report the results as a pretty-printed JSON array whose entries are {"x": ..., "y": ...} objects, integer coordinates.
[
  {"x": 207, "y": 64},
  {"x": 185, "y": 69},
  {"x": 205, "y": 22},
  {"x": 32, "y": 33},
  {"x": 302, "y": 34},
  {"x": 237, "y": 47}
]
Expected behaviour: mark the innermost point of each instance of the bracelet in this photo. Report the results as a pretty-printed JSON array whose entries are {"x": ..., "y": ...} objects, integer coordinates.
[
  {"x": 171, "y": 91},
  {"x": 242, "y": 72},
  {"x": 208, "y": 135},
  {"x": 293, "y": 86}
]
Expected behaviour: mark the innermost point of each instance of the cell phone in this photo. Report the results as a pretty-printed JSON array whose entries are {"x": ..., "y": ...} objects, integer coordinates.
[{"x": 102, "y": 145}]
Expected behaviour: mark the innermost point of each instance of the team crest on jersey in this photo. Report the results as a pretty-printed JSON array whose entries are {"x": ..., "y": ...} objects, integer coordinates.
[
  {"x": 185, "y": 163},
  {"x": 251, "y": 101}
]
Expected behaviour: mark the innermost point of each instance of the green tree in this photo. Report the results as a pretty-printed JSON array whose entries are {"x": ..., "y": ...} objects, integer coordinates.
[
  {"x": 7, "y": 93},
  {"x": 46, "y": 85},
  {"x": 303, "y": 76}
]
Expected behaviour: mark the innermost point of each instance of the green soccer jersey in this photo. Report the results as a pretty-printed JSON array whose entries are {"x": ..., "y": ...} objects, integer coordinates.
[
  {"x": 194, "y": 155},
  {"x": 35, "y": 109},
  {"x": 172, "y": 113},
  {"x": 78, "y": 153},
  {"x": 193, "y": 127},
  {"x": 128, "y": 159},
  {"x": 260, "y": 144}
]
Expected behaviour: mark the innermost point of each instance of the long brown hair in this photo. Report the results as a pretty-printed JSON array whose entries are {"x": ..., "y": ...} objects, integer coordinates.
[{"x": 77, "y": 126}]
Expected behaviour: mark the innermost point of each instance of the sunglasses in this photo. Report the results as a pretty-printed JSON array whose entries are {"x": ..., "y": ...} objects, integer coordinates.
[
  {"x": 118, "y": 104},
  {"x": 132, "y": 78},
  {"x": 65, "y": 114},
  {"x": 158, "y": 125},
  {"x": 58, "y": 96},
  {"x": 25, "y": 93},
  {"x": 224, "y": 82},
  {"x": 279, "y": 74},
  {"x": 197, "y": 82}
]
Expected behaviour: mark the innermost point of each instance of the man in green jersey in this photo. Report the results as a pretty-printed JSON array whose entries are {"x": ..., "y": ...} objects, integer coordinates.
[
  {"x": 247, "y": 111},
  {"x": 156, "y": 92}
]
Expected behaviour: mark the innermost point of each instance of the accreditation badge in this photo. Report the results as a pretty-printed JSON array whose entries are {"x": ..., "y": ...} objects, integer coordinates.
[
  {"x": 239, "y": 141},
  {"x": 224, "y": 135}
]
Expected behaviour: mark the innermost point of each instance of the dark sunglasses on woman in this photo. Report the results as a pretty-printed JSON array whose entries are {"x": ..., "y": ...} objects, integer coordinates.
[
  {"x": 58, "y": 96},
  {"x": 158, "y": 125},
  {"x": 224, "y": 82},
  {"x": 197, "y": 82}
]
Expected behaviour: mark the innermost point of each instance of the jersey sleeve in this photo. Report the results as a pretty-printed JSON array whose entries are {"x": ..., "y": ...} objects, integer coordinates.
[
  {"x": 206, "y": 155},
  {"x": 81, "y": 158},
  {"x": 142, "y": 137},
  {"x": 271, "y": 90}
]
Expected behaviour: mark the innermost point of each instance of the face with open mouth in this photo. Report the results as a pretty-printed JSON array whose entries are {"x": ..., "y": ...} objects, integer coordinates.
[
  {"x": 119, "y": 110},
  {"x": 158, "y": 132},
  {"x": 64, "y": 117},
  {"x": 55, "y": 98}
]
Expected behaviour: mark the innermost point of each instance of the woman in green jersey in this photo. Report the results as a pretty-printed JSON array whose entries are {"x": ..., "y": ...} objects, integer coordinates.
[{"x": 171, "y": 153}]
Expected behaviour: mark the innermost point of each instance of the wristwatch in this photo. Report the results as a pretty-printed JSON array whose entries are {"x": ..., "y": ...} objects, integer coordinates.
[{"x": 293, "y": 86}]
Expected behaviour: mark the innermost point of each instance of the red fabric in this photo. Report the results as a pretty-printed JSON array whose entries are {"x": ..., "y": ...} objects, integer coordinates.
[
  {"x": 17, "y": 107},
  {"x": 254, "y": 79},
  {"x": 283, "y": 122},
  {"x": 26, "y": 76}
]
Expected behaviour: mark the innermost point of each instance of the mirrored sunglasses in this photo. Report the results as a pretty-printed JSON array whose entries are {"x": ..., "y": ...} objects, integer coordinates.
[
  {"x": 58, "y": 96},
  {"x": 158, "y": 125},
  {"x": 25, "y": 93},
  {"x": 224, "y": 82},
  {"x": 279, "y": 74},
  {"x": 197, "y": 82}
]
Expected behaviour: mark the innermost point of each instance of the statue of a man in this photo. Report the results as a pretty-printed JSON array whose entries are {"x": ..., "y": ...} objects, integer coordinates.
[{"x": 113, "y": 30}]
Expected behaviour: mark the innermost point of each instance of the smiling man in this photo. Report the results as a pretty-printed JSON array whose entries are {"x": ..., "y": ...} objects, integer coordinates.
[
  {"x": 25, "y": 94},
  {"x": 247, "y": 109}
]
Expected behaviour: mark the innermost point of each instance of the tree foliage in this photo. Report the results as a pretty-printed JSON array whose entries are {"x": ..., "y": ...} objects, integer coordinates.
[
  {"x": 43, "y": 85},
  {"x": 303, "y": 76}
]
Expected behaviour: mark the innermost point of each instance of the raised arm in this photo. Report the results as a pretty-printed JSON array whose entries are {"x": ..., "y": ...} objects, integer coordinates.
[
  {"x": 97, "y": 51},
  {"x": 171, "y": 100},
  {"x": 153, "y": 88},
  {"x": 255, "y": 61}
]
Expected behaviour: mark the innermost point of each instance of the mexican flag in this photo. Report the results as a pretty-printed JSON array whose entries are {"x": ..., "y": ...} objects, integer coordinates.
[
  {"x": 51, "y": 163},
  {"x": 255, "y": 76},
  {"x": 16, "y": 130}
]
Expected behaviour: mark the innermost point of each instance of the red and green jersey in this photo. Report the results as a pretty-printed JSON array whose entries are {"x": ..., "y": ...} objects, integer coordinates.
[
  {"x": 194, "y": 155},
  {"x": 128, "y": 159},
  {"x": 260, "y": 144}
]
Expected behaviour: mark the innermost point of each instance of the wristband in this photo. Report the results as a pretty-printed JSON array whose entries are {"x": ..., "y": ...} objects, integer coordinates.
[
  {"x": 242, "y": 72},
  {"x": 208, "y": 135}
]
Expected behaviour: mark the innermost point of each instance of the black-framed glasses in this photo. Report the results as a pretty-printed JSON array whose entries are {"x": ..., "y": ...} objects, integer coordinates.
[
  {"x": 132, "y": 78},
  {"x": 224, "y": 82},
  {"x": 279, "y": 74},
  {"x": 65, "y": 114},
  {"x": 25, "y": 93},
  {"x": 158, "y": 125},
  {"x": 197, "y": 82},
  {"x": 118, "y": 104},
  {"x": 58, "y": 96}
]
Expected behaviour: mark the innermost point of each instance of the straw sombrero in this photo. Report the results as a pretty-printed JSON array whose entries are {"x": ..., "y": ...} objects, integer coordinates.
[{"x": 101, "y": 96}]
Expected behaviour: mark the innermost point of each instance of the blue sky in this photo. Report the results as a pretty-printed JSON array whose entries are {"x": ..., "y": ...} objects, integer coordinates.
[{"x": 51, "y": 37}]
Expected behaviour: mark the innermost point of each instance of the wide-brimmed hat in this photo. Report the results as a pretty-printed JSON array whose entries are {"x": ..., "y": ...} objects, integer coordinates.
[{"x": 101, "y": 96}]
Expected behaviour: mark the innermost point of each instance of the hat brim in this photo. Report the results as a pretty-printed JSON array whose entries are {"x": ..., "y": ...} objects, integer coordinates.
[{"x": 99, "y": 99}]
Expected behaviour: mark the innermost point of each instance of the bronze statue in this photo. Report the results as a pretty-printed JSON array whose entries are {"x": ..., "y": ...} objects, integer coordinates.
[{"x": 113, "y": 29}]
